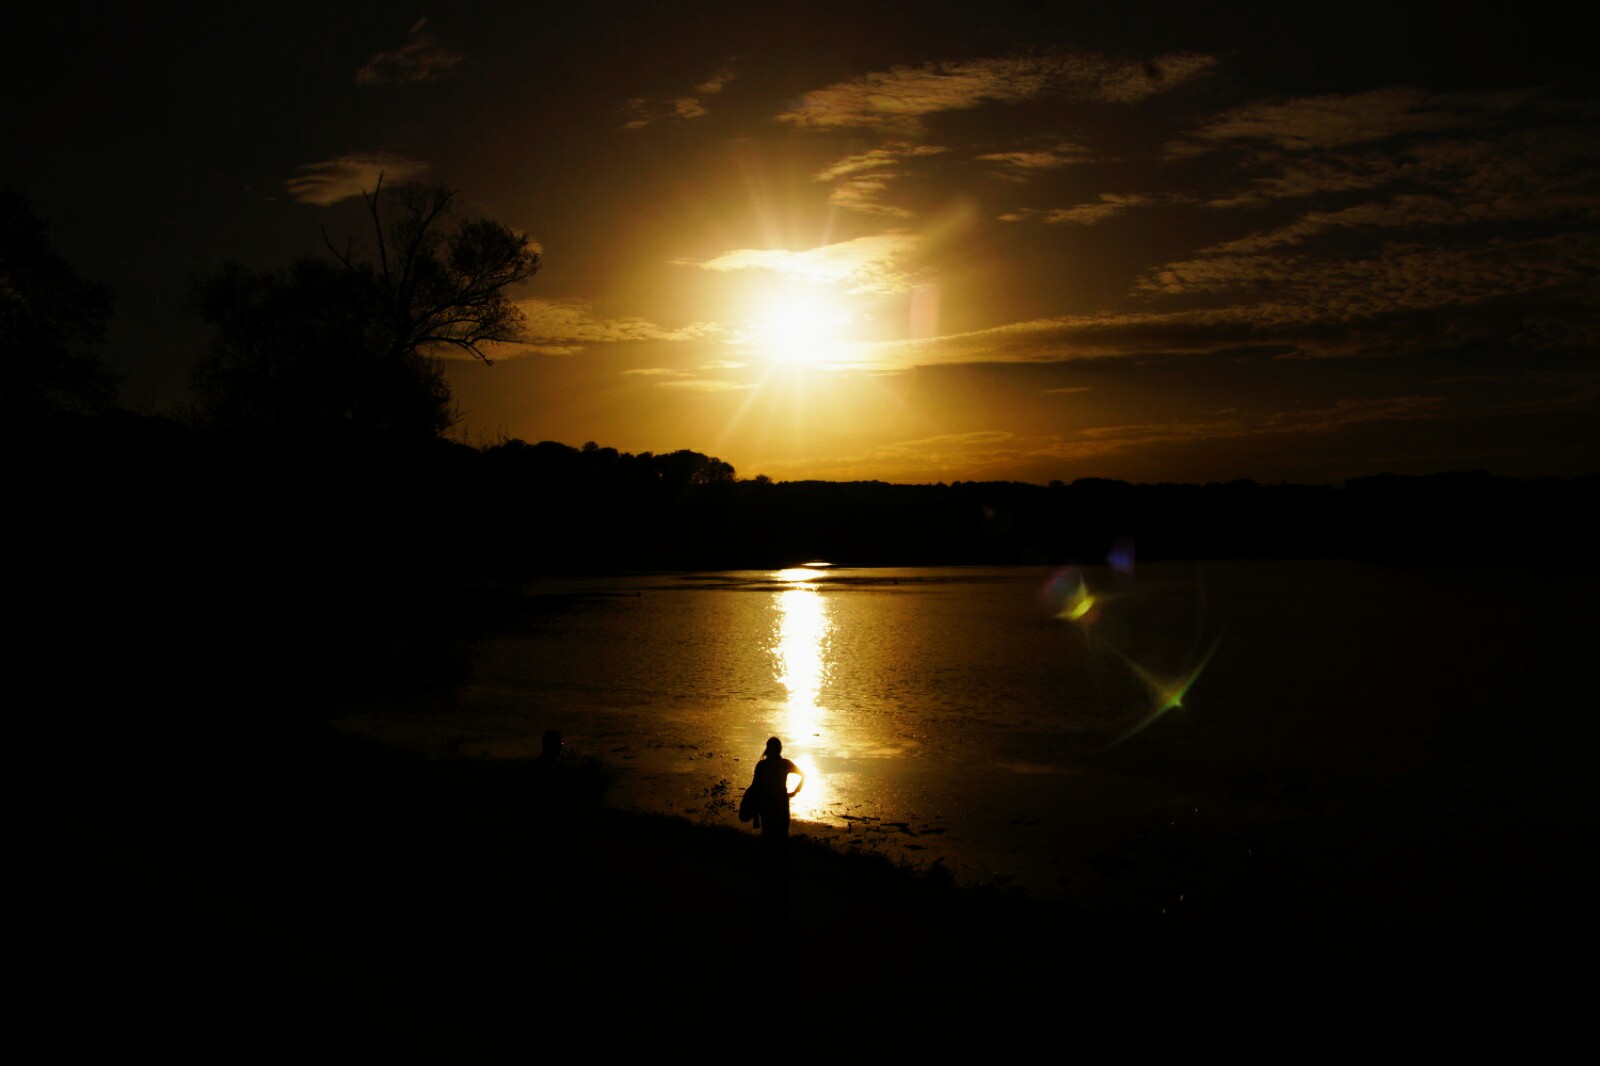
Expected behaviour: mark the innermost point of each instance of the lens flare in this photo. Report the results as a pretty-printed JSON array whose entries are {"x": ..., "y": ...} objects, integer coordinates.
[
  {"x": 1066, "y": 595},
  {"x": 1168, "y": 692}
]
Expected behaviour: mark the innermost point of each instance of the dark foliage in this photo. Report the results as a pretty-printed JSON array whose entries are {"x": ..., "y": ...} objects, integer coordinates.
[
  {"x": 50, "y": 321},
  {"x": 300, "y": 349},
  {"x": 353, "y": 341},
  {"x": 299, "y": 572}
]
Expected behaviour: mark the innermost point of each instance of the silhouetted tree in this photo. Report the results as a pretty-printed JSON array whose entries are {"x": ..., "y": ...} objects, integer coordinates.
[
  {"x": 355, "y": 339},
  {"x": 50, "y": 319},
  {"x": 685, "y": 468},
  {"x": 300, "y": 349}
]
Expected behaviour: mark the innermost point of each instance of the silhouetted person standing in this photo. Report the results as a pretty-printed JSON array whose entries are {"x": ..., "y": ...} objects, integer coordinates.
[{"x": 771, "y": 788}]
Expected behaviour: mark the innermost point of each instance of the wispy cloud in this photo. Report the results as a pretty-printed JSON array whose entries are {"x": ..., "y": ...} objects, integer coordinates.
[
  {"x": 876, "y": 160},
  {"x": 641, "y": 111},
  {"x": 547, "y": 321},
  {"x": 1094, "y": 441},
  {"x": 716, "y": 83},
  {"x": 862, "y": 179},
  {"x": 348, "y": 176},
  {"x": 1341, "y": 120},
  {"x": 873, "y": 264},
  {"x": 925, "y": 458},
  {"x": 421, "y": 58},
  {"x": 1023, "y": 164},
  {"x": 705, "y": 385},
  {"x": 1502, "y": 168},
  {"x": 900, "y": 98},
  {"x": 1298, "y": 178},
  {"x": 983, "y": 453},
  {"x": 1534, "y": 295},
  {"x": 689, "y": 380},
  {"x": 866, "y": 194},
  {"x": 1107, "y": 205},
  {"x": 1394, "y": 277}
]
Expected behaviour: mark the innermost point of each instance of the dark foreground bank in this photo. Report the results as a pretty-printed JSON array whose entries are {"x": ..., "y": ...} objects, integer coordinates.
[{"x": 221, "y": 891}]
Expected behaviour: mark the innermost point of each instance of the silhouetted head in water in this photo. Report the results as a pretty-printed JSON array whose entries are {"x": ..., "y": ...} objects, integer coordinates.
[
  {"x": 552, "y": 744},
  {"x": 774, "y": 748}
]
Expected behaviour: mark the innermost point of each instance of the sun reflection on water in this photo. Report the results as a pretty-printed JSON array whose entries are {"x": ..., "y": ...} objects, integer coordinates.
[{"x": 801, "y": 660}]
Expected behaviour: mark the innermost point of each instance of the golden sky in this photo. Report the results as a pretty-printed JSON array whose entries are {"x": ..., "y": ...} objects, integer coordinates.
[{"x": 909, "y": 243}]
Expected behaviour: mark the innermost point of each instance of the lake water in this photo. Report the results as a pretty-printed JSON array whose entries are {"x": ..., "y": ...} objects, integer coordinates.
[{"x": 1008, "y": 721}]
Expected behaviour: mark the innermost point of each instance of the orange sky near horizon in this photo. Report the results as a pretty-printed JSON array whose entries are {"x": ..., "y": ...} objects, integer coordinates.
[{"x": 909, "y": 243}]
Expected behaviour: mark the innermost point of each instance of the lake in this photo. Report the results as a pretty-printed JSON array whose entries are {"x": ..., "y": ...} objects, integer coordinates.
[{"x": 1014, "y": 723}]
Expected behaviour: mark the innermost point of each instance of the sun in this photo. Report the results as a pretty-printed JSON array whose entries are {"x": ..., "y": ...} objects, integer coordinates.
[{"x": 799, "y": 323}]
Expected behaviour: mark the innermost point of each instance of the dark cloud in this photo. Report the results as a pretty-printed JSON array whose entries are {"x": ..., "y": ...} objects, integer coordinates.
[
  {"x": 897, "y": 100},
  {"x": 642, "y": 111},
  {"x": 421, "y": 58},
  {"x": 348, "y": 176}
]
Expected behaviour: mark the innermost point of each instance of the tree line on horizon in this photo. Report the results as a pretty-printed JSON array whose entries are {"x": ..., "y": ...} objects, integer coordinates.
[
  {"x": 306, "y": 530},
  {"x": 317, "y": 439}
]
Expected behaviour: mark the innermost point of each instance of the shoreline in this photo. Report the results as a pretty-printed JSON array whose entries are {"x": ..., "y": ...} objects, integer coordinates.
[{"x": 344, "y": 891}]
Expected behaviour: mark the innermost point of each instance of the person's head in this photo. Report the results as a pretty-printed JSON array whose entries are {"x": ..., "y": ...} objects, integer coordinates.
[
  {"x": 774, "y": 747},
  {"x": 552, "y": 742}
]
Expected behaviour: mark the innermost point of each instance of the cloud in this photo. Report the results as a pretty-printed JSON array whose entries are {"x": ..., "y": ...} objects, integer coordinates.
[
  {"x": 1000, "y": 453},
  {"x": 1407, "y": 212},
  {"x": 871, "y": 264},
  {"x": 1340, "y": 120},
  {"x": 926, "y": 458},
  {"x": 640, "y": 113},
  {"x": 642, "y": 110},
  {"x": 348, "y": 176},
  {"x": 421, "y": 58},
  {"x": 1302, "y": 178},
  {"x": 1471, "y": 223},
  {"x": 862, "y": 181},
  {"x": 1531, "y": 296},
  {"x": 565, "y": 327},
  {"x": 1088, "y": 214},
  {"x": 1021, "y": 165},
  {"x": 1099, "y": 441},
  {"x": 899, "y": 98},
  {"x": 863, "y": 178},
  {"x": 716, "y": 83},
  {"x": 704, "y": 385},
  {"x": 1394, "y": 277},
  {"x": 1068, "y": 337},
  {"x": 1403, "y": 212},
  {"x": 876, "y": 160},
  {"x": 1523, "y": 177},
  {"x": 687, "y": 381},
  {"x": 866, "y": 195}
]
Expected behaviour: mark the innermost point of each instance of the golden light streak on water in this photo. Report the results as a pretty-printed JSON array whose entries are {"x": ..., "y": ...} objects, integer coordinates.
[{"x": 801, "y": 661}]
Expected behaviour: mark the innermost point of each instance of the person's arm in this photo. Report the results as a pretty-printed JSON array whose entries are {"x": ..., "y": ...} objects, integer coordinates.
[{"x": 802, "y": 775}]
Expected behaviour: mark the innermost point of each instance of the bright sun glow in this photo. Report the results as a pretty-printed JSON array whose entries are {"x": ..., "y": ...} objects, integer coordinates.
[{"x": 799, "y": 323}]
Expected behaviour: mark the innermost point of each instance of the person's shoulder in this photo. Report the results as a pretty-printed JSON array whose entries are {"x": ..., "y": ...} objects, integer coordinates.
[{"x": 788, "y": 764}]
